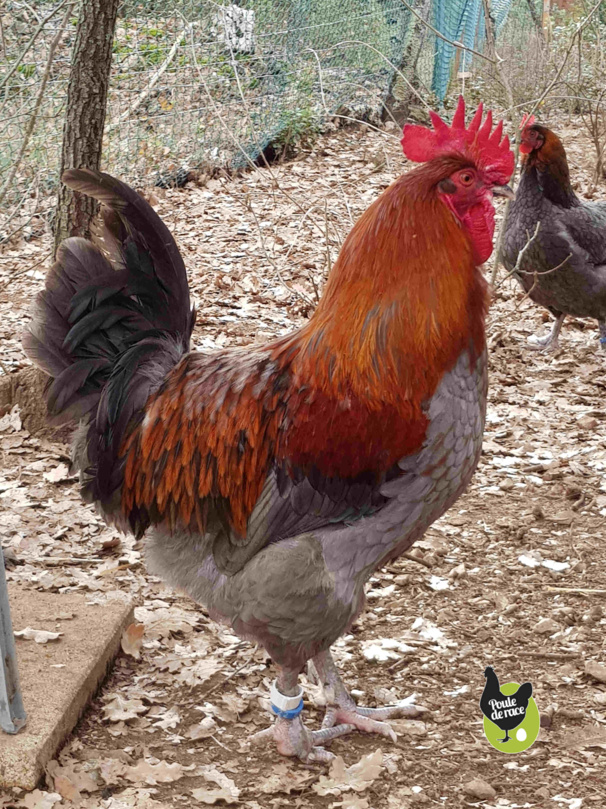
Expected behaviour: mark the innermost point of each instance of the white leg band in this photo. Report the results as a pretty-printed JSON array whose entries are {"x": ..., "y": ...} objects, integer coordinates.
[{"x": 282, "y": 702}]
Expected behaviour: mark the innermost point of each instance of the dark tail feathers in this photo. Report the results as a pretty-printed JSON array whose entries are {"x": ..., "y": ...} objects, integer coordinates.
[{"x": 113, "y": 320}]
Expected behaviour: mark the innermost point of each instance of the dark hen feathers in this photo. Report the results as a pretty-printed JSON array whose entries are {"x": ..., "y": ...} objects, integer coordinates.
[
  {"x": 113, "y": 319},
  {"x": 564, "y": 268}
]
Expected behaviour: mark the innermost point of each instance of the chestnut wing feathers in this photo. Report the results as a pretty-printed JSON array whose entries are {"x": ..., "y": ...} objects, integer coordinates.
[{"x": 207, "y": 458}]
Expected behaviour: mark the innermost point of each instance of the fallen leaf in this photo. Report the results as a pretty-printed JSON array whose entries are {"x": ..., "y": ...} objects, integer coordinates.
[
  {"x": 69, "y": 781},
  {"x": 228, "y": 791},
  {"x": 146, "y": 772},
  {"x": 357, "y": 777},
  {"x": 37, "y": 635},
  {"x": 165, "y": 621},
  {"x": 200, "y": 672},
  {"x": 112, "y": 770},
  {"x": 41, "y": 800},
  {"x": 121, "y": 710},
  {"x": 207, "y": 727},
  {"x": 480, "y": 789},
  {"x": 352, "y": 802},
  {"x": 596, "y": 670},
  {"x": 132, "y": 639},
  {"x": 170, "y": 719},
  {"x": 282, "y": 778},
  {"x": 66, "y": 788},
  {"x": 211, "y": 796},
  {"x": 58, "y": 474},
  {"x": 565, "y": 517},
  {"x": 11, "y": 422}
]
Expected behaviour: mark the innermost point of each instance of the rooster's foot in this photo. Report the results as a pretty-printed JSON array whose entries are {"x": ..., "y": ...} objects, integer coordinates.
[
  {"x": 292, "y": 738},
  {"x": 549, "y": 343},
  {"x": 342, "y": 710},
  {"x": 365, "y": 719}
]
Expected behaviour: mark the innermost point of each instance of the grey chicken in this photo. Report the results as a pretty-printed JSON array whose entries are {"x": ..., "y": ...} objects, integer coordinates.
[{"x": 564, "y": 268}]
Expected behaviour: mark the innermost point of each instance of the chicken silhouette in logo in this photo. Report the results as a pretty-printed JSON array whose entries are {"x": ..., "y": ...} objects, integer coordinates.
[{"x": 507, "y": 712}]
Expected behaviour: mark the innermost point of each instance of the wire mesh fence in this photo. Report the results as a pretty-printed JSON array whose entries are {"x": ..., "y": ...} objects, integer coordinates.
[{"x": 197, "y": 82}]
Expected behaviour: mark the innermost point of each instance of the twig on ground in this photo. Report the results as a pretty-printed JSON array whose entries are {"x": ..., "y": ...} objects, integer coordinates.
[
  {"x": 228, "y": 678},
  {"x": 411, "y": 557},
  {"x": 577, "y": 591},
  {"x": 26, "y": 270},
  {"x": 272, "y": 261}
]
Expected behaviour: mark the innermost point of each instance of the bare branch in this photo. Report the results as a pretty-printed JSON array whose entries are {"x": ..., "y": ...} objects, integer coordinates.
[
  {"x": 31, "y": 41},
  {"x": 379, "y": 53},
  {"x": 516, "y": 268},
  {"x": 38, "y": 102},
  {"x": 584, "y": 22},
  {"x": 536, "y": 275},
  {"x": 452, "y": 42},
  {"x": 154, "y": 79}
]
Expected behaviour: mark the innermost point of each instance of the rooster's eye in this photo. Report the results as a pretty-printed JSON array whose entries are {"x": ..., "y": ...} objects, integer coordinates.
[{"x": 466, "y": 178}]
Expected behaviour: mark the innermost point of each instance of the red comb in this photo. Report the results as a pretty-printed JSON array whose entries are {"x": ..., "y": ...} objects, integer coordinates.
[
  {"x": 489, "y": 151},
  {"x": 527, "y": 120}
]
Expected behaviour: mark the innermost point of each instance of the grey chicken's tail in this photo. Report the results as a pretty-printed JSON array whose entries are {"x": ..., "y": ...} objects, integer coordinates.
[{"x": 112, "y": 321}]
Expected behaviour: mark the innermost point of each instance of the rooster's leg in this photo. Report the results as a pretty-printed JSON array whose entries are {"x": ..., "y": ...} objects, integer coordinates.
[
  {"x": 602, "y": 328},
  {"x": 291, "y": 736},
  {"x": 342, "y": 709},
  {"x": 549, "y": 343}
]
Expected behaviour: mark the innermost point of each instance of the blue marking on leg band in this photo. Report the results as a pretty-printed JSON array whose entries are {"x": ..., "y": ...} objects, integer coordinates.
[{"x": 288, "y": 714}]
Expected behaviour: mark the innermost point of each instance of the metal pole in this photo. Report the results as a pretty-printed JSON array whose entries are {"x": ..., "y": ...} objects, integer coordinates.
[{"x": 12, "y": 713}]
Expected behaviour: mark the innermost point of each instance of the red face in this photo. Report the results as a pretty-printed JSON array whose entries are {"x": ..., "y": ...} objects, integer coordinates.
[
  {"x": 531, "y": 140},
  {"x": 468, "y": 193}
]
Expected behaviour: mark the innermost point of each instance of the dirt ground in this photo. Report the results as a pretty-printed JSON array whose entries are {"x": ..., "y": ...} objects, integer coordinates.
[{"x": 511, "y": 577}]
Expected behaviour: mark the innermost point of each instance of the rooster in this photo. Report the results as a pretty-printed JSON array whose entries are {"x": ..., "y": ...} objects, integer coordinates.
[
  {"x": 276, "y": 479},
  {"x": 564, "y": 266}
]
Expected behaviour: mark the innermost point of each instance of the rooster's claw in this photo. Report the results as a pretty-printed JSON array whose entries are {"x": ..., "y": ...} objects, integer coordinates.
[{"x": 294, "y": 739}]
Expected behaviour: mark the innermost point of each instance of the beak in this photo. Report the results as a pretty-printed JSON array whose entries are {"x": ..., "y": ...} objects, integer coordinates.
[{"x": 503, "y": 191}]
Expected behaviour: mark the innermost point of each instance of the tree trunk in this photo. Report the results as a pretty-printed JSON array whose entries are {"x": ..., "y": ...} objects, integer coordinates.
[
  {"x": 399, "y": 96},
  {"x": 547, "y": 20},
  {"x": 536, "y": 18},
  {"x": 85, "y": 112}
]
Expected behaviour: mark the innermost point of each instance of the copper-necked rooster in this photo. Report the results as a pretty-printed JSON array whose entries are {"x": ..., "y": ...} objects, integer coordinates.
[
  {"x": 563, "y": 268},
  {"x": 276, "y": 479}
]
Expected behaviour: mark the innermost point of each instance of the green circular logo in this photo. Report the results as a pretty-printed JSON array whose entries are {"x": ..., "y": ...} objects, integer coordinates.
[{"x": 511, "y": 739}]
